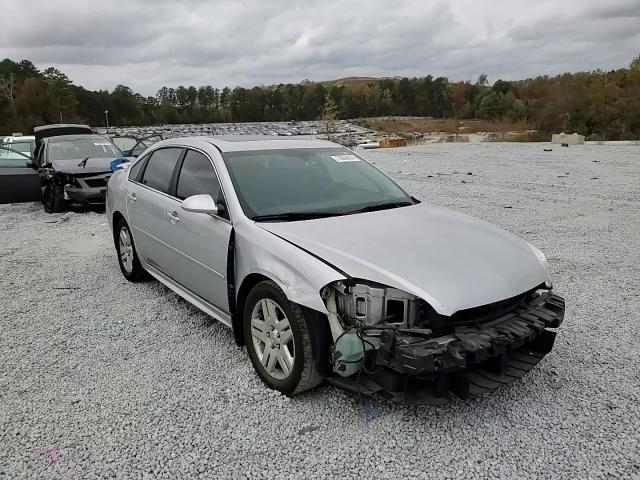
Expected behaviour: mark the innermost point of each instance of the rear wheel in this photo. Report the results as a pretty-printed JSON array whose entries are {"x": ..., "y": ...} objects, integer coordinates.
[
  {"x": 278, "y": 340},
  {"x": 127, "y": 255},
  {"x": 53, "y": 198}
]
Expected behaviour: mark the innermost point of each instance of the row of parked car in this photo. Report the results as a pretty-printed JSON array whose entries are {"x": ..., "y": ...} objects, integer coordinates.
[{"x": 63, "y": 165}]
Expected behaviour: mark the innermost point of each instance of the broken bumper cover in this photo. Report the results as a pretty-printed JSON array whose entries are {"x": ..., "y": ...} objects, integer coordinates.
[
  {"x": 471, "y": 345},
  {"x": 86, "y": 196},
  {"x": 471, "y": 361}
]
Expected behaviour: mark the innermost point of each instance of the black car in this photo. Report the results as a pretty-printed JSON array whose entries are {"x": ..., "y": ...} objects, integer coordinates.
[
  {"x": 18, "y": 182},
  {"x": 74, "y": 165}
]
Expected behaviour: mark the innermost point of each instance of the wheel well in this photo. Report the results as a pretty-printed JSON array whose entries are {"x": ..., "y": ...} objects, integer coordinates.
[
  {"x": 316, "y": 322},
  {"x": 248, "y": 283}
]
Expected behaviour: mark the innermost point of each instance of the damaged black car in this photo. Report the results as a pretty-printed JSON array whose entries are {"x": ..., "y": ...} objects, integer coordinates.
[{"x": 74, "y": 165}]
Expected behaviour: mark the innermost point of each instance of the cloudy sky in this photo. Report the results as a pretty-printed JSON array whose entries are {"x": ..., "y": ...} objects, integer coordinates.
[{"x": 149, "y": 43}]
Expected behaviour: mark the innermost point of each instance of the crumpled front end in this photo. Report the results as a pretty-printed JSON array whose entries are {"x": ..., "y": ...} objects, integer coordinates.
[
  {"x": 88, "y": 189},
  {"x": 395, "y": 345}
]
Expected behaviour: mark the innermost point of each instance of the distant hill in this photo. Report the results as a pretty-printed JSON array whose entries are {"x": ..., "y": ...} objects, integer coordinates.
[{"x": 355, "y": 81}]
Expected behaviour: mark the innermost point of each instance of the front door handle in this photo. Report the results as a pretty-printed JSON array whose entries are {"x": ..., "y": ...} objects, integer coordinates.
[
  {"x": 132, "y": 196},
  {"x": 173, "y": 217}
]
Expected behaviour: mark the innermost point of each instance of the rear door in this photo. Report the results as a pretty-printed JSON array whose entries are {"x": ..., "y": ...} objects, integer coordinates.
[
  {"x": 18, "y": 181},
  {"x": 200, "y": 241},
  {"x": 147, "y": 201}
]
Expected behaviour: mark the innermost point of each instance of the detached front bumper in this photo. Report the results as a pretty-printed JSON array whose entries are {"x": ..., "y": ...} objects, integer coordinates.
[
  {"x": 471, "y": 345},
  {"x": 472, "y": 360},
  {"x": 88, "y": 190}
]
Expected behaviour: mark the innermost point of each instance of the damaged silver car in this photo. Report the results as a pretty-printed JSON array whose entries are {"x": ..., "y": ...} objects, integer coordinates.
[{"x": 325, "y": 268}]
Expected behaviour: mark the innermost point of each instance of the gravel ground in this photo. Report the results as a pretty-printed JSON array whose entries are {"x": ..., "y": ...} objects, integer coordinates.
[{"x": 103, "y": 378}]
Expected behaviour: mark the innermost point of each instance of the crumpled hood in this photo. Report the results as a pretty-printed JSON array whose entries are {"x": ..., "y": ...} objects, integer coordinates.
[
  {"x": 94, "y": 165},
  {"x": 449, "y": 259}
]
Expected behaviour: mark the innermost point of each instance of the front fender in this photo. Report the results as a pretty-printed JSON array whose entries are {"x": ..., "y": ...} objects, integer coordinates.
[{"x": 298, "y": 274}]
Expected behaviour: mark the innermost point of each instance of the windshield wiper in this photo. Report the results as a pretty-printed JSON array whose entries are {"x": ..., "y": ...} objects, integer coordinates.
[
  {"x": 293, "y": 216},
  {"x": 381, "y": 206}
]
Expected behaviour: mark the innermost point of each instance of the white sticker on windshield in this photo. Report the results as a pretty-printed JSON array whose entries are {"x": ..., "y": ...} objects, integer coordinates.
[
  {"x": 345, "y": 158},
  {"x": 101, "y": 144}
]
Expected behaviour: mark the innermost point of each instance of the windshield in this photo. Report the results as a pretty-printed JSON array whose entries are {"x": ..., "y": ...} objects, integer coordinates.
[
  {"x": 15, "y": 154},
  {"x": 83, "y": 148},
  {"x": 24, "y": 146},
  {"x": 313, "y": 181}
]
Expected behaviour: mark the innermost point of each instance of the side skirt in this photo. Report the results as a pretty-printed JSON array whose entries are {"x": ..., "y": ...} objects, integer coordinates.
[{"x": 192, "y": 298}]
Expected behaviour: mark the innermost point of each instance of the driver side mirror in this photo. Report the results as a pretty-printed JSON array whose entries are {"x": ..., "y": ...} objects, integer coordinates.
[
  {"x": 29, "y": 163},
  {"x": 201, "y": 204}
]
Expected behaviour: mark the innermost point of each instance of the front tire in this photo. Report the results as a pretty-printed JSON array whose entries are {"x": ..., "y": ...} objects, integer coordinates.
[
  {"x": 53, "y": 198},
  {"x": 279, "y": 341},
  {"x": 127, "y": 255}
]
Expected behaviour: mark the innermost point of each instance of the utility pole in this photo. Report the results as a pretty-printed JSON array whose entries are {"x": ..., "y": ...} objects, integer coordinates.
[{"x": 106, "y": 116}]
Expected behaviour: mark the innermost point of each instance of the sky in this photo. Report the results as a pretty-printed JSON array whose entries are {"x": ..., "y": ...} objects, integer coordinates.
[{"x": 147, "y": 44}]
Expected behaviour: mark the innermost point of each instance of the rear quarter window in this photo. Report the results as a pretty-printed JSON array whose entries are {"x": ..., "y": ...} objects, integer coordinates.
[{"x": 134, "y": 172}]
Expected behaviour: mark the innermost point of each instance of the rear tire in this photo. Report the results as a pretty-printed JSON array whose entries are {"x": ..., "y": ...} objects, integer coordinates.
[
  {"x": 53, "y": 198},
  {"x": 127, "y": 255},
  {"x": 279, "y": 341}
]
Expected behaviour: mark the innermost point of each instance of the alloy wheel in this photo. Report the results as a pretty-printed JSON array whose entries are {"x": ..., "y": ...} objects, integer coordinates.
[
  {"x": 126, "y": 250},
  {"x": 272, "y": 338}
]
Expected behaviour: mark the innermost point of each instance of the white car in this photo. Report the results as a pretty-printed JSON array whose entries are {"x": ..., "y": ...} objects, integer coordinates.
[{"x": 326, "y": 268}]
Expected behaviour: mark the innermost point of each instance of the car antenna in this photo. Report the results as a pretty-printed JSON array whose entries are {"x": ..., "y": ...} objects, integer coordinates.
[{"x": 83, "y": 163}]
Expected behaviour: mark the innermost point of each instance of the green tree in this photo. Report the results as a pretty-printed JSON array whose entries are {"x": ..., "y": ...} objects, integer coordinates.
[
  {"x": 492, "y": 106},
  {"x": 63, "y": 102},
  {"x": 329, "y": 115}
]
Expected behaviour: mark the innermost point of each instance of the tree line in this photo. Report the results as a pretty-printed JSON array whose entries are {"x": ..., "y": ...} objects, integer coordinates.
[{"x": 598, "y": 104}]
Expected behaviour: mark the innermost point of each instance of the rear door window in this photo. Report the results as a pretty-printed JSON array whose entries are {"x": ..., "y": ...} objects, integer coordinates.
[{"x": 160, "y": 167}]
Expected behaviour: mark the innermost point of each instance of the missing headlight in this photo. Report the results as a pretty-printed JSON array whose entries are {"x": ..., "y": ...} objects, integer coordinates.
[
  {"x": 395, "y": 311},
  {"x": 373, "y": 304}
]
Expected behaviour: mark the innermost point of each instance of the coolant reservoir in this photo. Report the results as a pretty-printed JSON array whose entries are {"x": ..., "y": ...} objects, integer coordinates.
[{"x": 348, "y": 354}]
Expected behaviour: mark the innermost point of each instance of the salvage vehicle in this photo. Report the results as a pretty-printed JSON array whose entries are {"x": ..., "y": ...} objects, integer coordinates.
[
  {"x": 74, "y": 165},
  {"x": 18, "y": 182},
  {"x": 325, "y": 268},
  {"x": 132, "y": 146}
]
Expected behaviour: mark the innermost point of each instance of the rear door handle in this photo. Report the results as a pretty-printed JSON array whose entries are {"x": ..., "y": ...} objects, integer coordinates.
[
  {"x": 132, "y": 196},
  {"x": 173, "y": 217}
]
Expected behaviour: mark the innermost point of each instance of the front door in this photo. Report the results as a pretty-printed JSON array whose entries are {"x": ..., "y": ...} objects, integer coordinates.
[
  {"x": 18, "y": 181},
  {"x": 199, "y": 241}
]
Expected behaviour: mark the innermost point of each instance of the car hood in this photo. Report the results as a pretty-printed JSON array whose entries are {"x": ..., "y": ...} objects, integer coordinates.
[
  {"x": 94, "y": 165},
  {"x": 449, "y": 259}
]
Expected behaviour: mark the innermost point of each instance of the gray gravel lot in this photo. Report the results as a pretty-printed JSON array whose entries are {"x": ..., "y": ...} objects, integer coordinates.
[{"x": 102, "y": 378}]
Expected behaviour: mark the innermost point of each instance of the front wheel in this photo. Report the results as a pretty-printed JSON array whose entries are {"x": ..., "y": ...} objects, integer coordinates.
[
  {"x": 53, "y": 198},
  {"x": 278, "y": 340}
]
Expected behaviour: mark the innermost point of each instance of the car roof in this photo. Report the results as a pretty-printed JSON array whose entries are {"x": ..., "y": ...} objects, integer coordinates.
[
  {"x": 245, "y": 143},
  {"x": 22, "y": 138},
  {"x": 55, "y": 126},
  {"x": 82, "y": 136}
]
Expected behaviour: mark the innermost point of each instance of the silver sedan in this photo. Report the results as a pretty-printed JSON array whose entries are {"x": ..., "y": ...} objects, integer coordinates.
[{"x": 327, "y": 269}]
